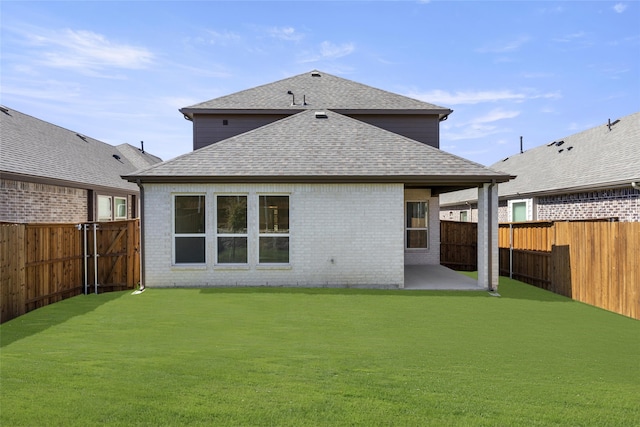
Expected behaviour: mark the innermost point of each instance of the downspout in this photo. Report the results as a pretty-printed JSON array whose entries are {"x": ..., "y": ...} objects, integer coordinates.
[{"x": 141, "y": 215}]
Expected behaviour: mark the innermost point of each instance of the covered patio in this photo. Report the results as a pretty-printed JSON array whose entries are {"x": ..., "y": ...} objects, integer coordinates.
[{"x": 437, "y": 277}]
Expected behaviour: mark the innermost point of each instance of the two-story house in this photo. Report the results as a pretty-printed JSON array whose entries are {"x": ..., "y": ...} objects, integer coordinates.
[{"x": 313, "y": 180}]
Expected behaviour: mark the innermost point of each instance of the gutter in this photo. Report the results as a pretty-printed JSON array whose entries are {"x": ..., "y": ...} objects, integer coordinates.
[{"x": 432, "y": 180}]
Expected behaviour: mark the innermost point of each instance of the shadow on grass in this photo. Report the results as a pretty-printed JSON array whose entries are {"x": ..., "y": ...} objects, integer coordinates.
[{"x": 50, "y": 315}]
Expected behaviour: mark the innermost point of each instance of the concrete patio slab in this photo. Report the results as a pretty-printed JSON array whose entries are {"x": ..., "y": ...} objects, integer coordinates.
[{"x": 437, "y": 277}]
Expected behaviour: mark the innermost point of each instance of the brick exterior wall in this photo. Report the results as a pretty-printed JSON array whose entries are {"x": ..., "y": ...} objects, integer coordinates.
[
  {"x": 340, "y": 235},
  {"x": 27, "y": 202},
  {"x": 621, "y": 203}
]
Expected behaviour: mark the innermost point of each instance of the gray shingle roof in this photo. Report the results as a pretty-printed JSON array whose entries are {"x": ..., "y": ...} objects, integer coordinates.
[
  {"x": 319, "y": 90},
  {"x": 31, "y": 147},
  {"x": 592, "y": 159},
  {"x": 304, "y": 146}
]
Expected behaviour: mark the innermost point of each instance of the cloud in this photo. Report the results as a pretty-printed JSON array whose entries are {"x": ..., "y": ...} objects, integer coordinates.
[
  {"x": 88, "y": 52},
  {"x": 503, "y": 47},
  {"x": 495, "y": 115},
  {"x": 477, "y": 97},
  {"x": 285, "y": 33},
  {"x": 330, "y": 50},
  {"x": 222, "y": 38},
  {"x": 619, "y": 7},
  {"x": 571, "y": 37},
  {"x": 480, "y": 126}
]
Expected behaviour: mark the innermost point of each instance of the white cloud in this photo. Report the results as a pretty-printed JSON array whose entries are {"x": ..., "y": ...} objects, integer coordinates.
[
  {"x": 330, "y": 50},
  {"x": 285, "y": 33},
  {"x": 222, "y": 38},
  {"x": 89, "y": 52},
  {"x": 619, "y": 7},
  {"x": 503, "y": 47},
  {"x": 495, "y": 115},
  {"x": 581, "y": 35},
  {"x": 465, "y": 97}
]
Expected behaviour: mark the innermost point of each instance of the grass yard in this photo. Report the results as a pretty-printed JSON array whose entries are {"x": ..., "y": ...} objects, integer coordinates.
[{"x": 320, "y": 357}]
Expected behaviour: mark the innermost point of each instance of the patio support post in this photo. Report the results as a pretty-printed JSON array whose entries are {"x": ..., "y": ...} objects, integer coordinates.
[{"x": 488, "y": 272}]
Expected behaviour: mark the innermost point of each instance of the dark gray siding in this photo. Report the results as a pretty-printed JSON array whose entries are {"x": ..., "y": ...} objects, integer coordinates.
[
  {"x": 423, "y": 128},
  {"x": 209, "y": 129}
]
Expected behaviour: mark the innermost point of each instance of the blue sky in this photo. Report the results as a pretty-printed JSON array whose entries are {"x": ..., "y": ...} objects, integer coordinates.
[{"x": 119, "y": 71}]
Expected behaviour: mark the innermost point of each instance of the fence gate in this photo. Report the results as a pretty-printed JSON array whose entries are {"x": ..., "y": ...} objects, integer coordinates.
[{"x": 112, "y": 257}]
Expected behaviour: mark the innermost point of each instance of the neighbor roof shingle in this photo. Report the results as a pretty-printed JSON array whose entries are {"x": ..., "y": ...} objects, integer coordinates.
[
  {"x": 303, "y": 145},
  {"x": 592, "y": 159},
  {"x": 34, "y": 148}
]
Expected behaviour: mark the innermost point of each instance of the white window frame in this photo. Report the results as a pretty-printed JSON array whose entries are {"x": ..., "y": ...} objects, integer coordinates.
[
  {"x": 407, "y": 228},
  {"x": 100, "y": 215},
  {"x": 115, "y": 208},
  {"x": 528, "y": 206},
  {"x": 217, "y": 235},
  {"x": 260, "y": 234},
  {"x": 174, "y": 234}
]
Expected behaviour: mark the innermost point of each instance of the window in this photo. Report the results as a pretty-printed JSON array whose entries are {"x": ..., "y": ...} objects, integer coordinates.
[
  {"x": 416, "y": 227},
  {"x": 104, "y": 208},
  {"x": 189, "y": 229},
  {"x": 231, "y": 218},
  {"x": 273, "y": 245},
  {"x": 120, "y": 207},
  {"x": 520, "y": 210},
  {"x": 464, "y": 216}
]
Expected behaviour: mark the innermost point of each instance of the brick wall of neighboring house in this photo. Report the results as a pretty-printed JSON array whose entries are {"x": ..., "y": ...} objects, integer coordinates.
[
  {"x": 621, "y": 203},
  {"x": 27, "y": 202},
  {"x": 340, "y": 235}
]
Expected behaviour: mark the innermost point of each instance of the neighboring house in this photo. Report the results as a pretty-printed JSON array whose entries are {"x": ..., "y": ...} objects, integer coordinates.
[
  {"x": 593, "y": 174},
  {"x": 51, "y": 174},
  {"x": 313, "y": 180}
]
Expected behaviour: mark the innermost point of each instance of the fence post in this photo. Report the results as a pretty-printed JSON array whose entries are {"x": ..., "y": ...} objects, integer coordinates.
[{"x": 510, "y": 251}]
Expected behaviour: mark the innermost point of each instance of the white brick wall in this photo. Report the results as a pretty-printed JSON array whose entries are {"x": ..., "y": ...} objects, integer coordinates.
[{"x": 340, "y": 235}]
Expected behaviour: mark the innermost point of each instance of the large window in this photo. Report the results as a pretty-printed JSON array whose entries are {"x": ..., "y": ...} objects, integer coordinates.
[
  {"x": 273, "y": 245},
  {"x": 416, "y": 226},
  {"x": 231, "y": 218},
  {"x": 189, "y": 229}
]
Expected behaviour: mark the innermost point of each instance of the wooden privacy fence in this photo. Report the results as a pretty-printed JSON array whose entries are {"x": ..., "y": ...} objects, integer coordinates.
[
  {"x": 594, "y": 262},
  {"x": 45, "y": 263},
  {"x": 459, "y": 245}
]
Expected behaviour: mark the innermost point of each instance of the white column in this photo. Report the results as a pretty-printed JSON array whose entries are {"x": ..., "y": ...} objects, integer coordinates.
[{"x": 488, "y": 271}]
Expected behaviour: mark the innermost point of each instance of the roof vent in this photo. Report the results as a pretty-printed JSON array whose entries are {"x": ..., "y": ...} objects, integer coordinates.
[
  {"x": 321, "y": 115},
  {"x": 315, "y": 74},
  {"x": 115, "y": 156},
  {"x": 81, "y": 136},
  {"x": 611, "y": 124},
  {"x": 4, "y": 109}
]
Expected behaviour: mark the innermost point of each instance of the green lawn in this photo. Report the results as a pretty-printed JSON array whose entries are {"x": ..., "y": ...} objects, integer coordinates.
[{"x": 320, "y": 357}]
